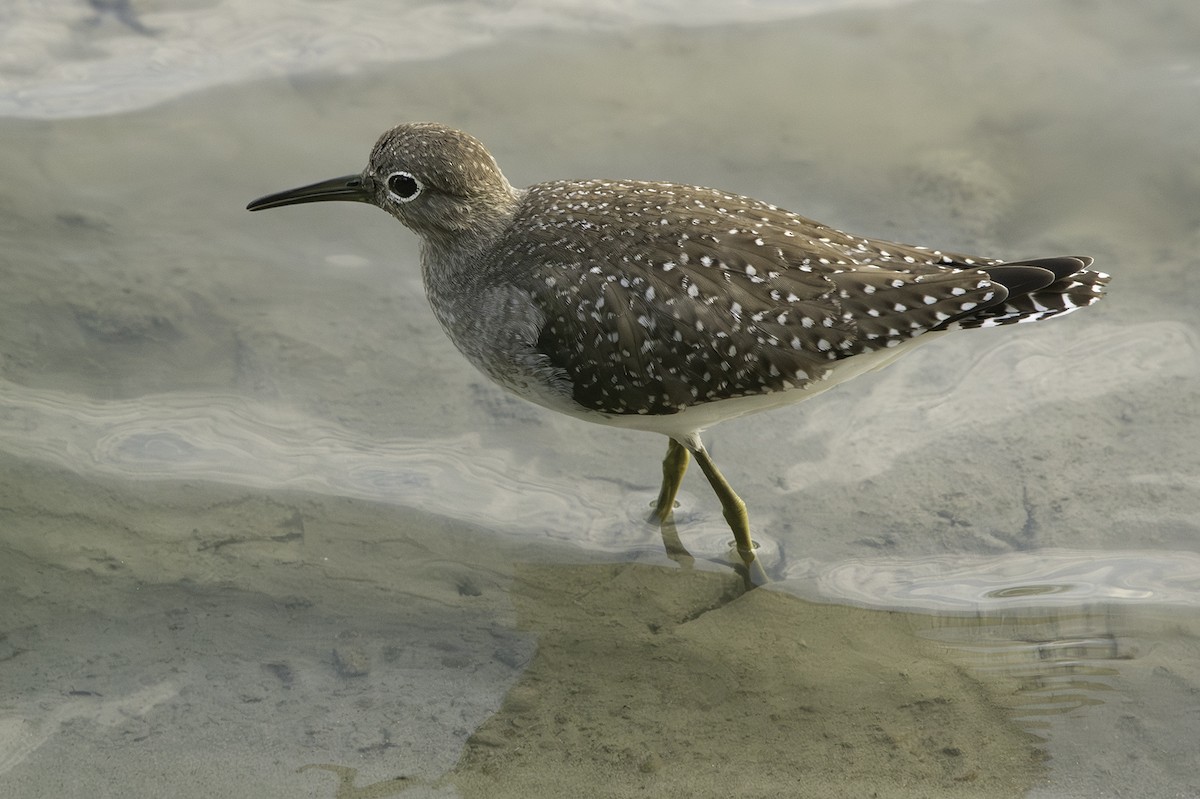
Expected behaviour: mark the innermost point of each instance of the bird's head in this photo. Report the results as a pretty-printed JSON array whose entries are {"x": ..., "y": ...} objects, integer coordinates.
[{"x": 440, "y": 182}]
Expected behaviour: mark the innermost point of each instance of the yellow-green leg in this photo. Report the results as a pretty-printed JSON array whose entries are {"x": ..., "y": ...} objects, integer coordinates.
[
  {"x": 675, "y": 465},
  {"x": 731, "y": 504}
]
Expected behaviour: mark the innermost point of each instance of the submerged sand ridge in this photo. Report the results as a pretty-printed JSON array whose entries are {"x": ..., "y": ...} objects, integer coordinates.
[{"x": 651, "y": 681}]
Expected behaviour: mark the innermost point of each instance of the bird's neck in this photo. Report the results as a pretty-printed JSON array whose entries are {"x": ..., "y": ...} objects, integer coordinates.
[{"x": 453, "y": 253}]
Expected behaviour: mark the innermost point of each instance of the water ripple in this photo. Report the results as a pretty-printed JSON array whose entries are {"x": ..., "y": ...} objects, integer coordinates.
[
  {"x": 230, "y": 439},
  {"x": 951, "y": 388},
  {"x": 1047, "y": 578},
  {"x": 64, "y": 59}
]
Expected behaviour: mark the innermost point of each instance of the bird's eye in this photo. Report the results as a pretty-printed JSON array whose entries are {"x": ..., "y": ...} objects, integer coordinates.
[{"x": 403, "y": 186}]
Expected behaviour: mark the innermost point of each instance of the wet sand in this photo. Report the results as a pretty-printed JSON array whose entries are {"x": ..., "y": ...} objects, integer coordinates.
[{"x": 656, "y": 682}]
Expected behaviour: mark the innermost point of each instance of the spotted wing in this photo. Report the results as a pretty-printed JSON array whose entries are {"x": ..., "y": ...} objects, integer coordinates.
[{"x": 657, "y": 297}]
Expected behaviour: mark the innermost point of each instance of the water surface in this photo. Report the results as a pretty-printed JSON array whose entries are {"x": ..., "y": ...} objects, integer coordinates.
[{"x": 263, "y": 532}]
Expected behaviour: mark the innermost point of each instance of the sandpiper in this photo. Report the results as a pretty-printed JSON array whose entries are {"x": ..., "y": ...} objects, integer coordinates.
[{"x": 666, "y": 307}]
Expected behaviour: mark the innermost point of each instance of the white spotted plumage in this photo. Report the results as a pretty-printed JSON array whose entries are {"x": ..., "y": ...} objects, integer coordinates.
[{"x": 729, "y": 282}]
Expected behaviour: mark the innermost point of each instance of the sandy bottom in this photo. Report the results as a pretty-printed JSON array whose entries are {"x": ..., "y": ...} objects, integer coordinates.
[{"x": 657, "y": 682}]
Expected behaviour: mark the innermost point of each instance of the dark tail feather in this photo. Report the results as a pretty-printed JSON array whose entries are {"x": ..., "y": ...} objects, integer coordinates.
[
  {"x": 1038, "y": 289},
  {"x": 1063, "y": 266}
]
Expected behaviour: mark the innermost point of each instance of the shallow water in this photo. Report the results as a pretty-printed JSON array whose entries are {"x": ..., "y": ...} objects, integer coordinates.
[{"x": 263, "y": 532}]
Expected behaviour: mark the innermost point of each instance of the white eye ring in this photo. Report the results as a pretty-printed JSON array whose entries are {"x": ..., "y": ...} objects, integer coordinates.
[{"x": 404, "y": 187}]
